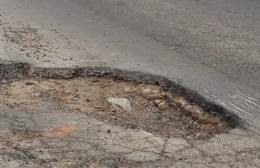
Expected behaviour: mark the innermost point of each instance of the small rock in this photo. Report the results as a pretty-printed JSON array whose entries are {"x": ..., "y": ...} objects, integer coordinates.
[
  {"x": 157, "y": 102},
  {"x": 202, "y": 135},
  {"x": 127, "y": 89},
  {"x": 98, "y": 107},
  {"x": 146, "y": 91},
  {"x": 189, "y": 108},
  {"x": 67, "y": 91},
  {"x": 180, "y": 102},
  {"x": 162, "y": 105},
  {"x": 193, "y": 110},
  {"x": 198, "y": 110},
  {"x": 120, "y": 102}
]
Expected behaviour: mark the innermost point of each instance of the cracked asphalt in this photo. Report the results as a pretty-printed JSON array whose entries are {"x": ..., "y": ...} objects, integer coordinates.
[
  {"x": 207, "y": 50},
  {"x": 209, "y": 47},
  {"x": 92, "y": 143},
  {"x": 51, "y": 133}
]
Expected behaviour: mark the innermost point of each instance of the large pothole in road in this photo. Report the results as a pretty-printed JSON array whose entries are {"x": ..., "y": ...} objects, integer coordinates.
[{"x": 138, "y": 106}]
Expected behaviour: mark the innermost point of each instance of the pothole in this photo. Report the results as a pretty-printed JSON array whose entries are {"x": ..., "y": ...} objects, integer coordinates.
[{"x": 152, "y": 108}]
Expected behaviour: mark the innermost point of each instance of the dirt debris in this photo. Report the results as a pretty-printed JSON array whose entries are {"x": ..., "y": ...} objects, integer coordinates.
[
  {"x": 28, "y": 41},
  {"x": 27, "y": 38},
  {"x": 153, "y": 109}
]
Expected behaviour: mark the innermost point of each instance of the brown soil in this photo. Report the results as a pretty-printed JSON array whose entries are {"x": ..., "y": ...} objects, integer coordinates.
[{"x": 153, "y": 109}]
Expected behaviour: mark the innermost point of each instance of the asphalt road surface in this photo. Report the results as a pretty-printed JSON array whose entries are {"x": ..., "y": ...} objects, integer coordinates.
[{"x": 210, "y": 46}]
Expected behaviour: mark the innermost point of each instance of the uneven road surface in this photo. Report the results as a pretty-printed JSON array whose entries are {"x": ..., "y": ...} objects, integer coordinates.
[
  {"x": 208, "y": 46},
  {"x": 212, "y": 47},
  {"x": 73, "y": 123}
]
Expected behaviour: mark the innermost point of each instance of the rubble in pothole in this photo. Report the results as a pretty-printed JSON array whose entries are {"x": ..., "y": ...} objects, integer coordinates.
[{"x": 149, "y": 108}]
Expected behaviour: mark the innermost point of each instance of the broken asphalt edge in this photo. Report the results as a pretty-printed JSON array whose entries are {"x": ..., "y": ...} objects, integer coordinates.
[{"x": 14, "y": 70}]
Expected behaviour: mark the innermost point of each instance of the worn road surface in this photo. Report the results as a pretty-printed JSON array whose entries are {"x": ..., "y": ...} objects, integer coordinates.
[
  {"x": 66, "y": 123},
  {"x": 209, "y": 46},
  {"x": 212, "y": 47},
  {"x": 90, "y": 143}
]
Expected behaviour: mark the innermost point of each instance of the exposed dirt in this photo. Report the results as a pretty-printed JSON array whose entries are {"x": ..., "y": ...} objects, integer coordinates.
[{"x": 153, "y": 109}]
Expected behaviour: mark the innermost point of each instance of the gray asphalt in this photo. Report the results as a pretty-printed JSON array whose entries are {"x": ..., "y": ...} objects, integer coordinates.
[{"x": 210, "y": 46}]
